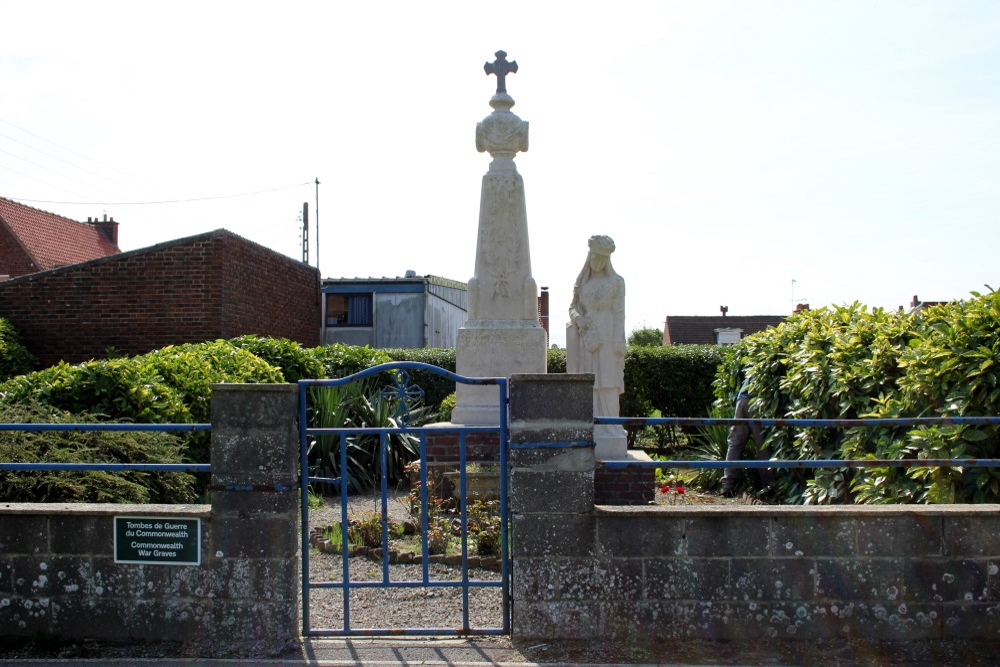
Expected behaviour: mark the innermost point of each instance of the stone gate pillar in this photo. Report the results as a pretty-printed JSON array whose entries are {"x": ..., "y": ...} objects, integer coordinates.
[
  {"x": 551, "y": 493},
  {"x": 255, "y": 516}
]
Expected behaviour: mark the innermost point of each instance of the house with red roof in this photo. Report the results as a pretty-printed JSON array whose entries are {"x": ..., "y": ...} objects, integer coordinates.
[
  {"x": 32, "y": 240},
  {"x": 714, "y": 330}
]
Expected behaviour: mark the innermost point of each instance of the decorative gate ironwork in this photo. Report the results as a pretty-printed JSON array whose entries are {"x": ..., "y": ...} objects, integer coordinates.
[{"x": 399, "y": 397}]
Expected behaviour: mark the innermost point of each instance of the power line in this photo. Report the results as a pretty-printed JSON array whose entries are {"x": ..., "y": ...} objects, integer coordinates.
[
  {"x": 73, "y": 151},
  {"x": 56, "y": 157},
  {"x": 166, "y": 201}
]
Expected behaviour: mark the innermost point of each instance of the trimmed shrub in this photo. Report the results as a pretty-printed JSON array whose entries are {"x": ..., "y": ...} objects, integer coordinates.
[
  {"x": 849, "y": 362},
  {"x": 435, "y": 387},
  {"x": 87, "y": 447},
  {"x": 170, "y": 385},
  {"x": 295, "y": 362},
  {"x": 555, "y": 361},
  {"x": 340, "y": 360}
]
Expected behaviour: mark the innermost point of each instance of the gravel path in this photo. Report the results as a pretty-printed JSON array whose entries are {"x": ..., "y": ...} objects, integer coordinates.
[{"x": 416, "y": 607}]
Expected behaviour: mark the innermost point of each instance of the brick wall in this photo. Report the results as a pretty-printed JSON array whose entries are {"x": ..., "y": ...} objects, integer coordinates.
[
  {"x": 14, "y": 260},
  {"x": 214, "y": 285},
  {"x": 624, "y": 486}
]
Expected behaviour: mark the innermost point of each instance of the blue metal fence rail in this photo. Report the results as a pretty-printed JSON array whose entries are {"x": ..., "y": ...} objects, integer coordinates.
[
  {"x": 108, "y": 467},
  {"x": 805, "y": 423},
  {"x": 346, "y": 585}
]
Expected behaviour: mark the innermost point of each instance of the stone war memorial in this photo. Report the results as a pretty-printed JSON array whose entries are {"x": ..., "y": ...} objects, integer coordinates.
[
  {"x": 502, "y": 335},
  {"x": 582, "y": 568}
]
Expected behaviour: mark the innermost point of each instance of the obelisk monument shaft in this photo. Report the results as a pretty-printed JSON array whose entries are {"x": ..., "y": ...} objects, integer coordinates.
[{"x": 502, "y": 335}]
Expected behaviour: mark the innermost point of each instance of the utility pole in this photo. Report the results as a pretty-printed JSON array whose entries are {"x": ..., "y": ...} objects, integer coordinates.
[
  {"x": 317, "y": 228},
  {"x": 305, "y": 232}
]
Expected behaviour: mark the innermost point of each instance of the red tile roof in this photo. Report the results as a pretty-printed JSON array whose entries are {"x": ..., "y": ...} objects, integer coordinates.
[
  {"x": 52, "y": 240},
  {"x": 694, "y": 329}
]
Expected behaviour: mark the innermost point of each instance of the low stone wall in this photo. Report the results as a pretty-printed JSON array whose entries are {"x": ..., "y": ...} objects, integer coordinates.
[
  {"x": 663, "y": 573},
  {"x": 586, "y": 571},
  {"x": 59, "y": 578}
]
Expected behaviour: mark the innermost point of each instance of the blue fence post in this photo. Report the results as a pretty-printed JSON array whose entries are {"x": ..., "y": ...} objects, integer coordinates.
[{"x": 255, "y": 505}]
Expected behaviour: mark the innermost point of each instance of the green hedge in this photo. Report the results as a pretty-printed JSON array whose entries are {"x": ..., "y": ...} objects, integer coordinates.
[
  {"x": 14, "y": 357},
  {"x": 849, "y": 362},
  {"x": 88, "y": 447},
  {"x": 436, "y": 388}
]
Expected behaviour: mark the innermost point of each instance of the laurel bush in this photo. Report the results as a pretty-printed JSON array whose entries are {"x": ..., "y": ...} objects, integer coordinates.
[{"x": 851, "y": 362}]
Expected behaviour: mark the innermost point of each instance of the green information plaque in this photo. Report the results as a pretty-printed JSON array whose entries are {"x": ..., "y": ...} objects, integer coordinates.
[{"x": 157, "y": 539}]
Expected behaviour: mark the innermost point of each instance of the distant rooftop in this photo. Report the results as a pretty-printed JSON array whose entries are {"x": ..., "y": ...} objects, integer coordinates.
[{"x": 50, "y": 240}]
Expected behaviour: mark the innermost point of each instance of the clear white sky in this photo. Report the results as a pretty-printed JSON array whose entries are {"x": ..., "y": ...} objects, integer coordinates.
[{"x": 729, "y": 147}]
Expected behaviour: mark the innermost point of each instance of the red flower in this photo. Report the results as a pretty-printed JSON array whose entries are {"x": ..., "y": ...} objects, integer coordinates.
[
  {"x": 680, "y": 490},
  {"x": 664, "y": 489}
]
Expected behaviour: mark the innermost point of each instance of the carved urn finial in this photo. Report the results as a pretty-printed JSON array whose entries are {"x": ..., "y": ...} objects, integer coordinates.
[{"x": 502, "y": 134}]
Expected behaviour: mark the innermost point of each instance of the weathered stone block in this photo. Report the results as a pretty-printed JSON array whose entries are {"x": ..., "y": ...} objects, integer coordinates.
[
  {"x": 945, "y": 580},
  {"x": 974, "y": 536},
  {"x": 6, "y": 578},
  {"x": 23, "y": 534},
  {"x": 540, "y": 535},
  {"x": 551, "y": 491},
  {"x": 50, "y": 575},
  {"x": 537, "y": 578},
  {"x": 252, "y": 629},
  {"x": 556, "y": 396},
  {"x": 778, "y": 579},
  {"x": 255, "y": 454},
  {"x": 686, "y": 578},
  {"x": 743, "y": 535},
  {"x": 915, "y": 535},
  {"x": 252, "y": 503},
  {"x": 81, "y": 534},
  {"x": 254, "y": 537},
  {"x": 654, "y": 536},
  {"x": 555, "y": 458},
  {"x": 890, "y": 621},
  {"x": 970, "y": 621},
  {"x": 877, "y": 580},
  {"x": 21, "y": 617},
  {"x": 580, "y": 579},
  {"x": 562, "y": 619},
  {"x": 264, "y": 406},
  {"x": 815, "y": 534},
  {"x": 601, "y": 579}
]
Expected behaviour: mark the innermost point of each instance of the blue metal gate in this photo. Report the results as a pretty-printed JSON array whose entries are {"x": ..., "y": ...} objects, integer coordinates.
[{"x": 466, "y": 604}]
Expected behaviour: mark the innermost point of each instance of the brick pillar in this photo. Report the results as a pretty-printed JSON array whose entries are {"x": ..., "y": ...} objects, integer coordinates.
[
  {"x": 551, "y": 496},
  {"x": 255, "y": 516}
]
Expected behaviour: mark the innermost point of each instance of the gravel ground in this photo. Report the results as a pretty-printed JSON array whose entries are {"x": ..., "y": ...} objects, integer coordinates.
[{"x": 417, "y": 607}]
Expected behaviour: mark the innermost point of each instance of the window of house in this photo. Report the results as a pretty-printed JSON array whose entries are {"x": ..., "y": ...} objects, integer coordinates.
[
  {"x": 348, "y": 310},
  {"x": 728, "y": 336}
]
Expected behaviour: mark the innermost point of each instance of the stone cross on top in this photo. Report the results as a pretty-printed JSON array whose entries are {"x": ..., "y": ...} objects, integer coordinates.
[{"x": 501, "y": 68}]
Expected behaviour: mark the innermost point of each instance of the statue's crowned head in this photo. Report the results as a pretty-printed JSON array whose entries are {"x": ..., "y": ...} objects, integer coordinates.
[{"x": 601, "y": 245}]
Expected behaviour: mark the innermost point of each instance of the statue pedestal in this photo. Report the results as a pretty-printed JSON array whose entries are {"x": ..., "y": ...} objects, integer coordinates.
[
  {"x": 484, "y": 347},
  {"x": 611, "y": 442}
]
